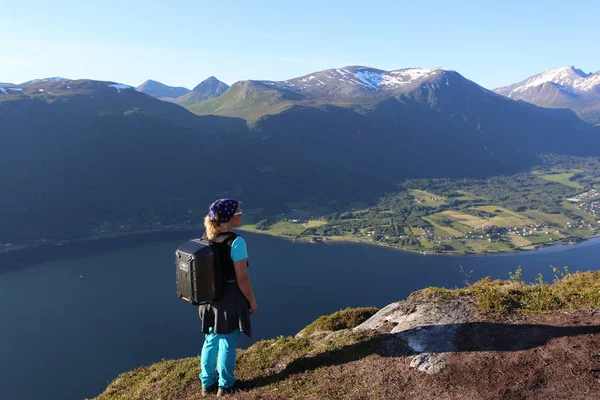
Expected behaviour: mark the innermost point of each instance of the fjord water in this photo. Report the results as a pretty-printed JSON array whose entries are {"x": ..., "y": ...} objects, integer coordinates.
[{"x": 73, "y": 317}]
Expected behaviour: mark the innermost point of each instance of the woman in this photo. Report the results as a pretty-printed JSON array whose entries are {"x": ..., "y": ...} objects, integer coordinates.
[{"x": 225, "y": 318}]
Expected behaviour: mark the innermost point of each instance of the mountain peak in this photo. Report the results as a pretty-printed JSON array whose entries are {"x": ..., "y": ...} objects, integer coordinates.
[
  {"x": 562, "y": 87},
  {"x": 207, "y": 89},
  {"x": 356, "y": 80},
  {"x": 213, "y": 84},
  {"x": 161, "y": 91},
  {"x": 151, "y": 82},
  {"x": 567, "y": 77}
]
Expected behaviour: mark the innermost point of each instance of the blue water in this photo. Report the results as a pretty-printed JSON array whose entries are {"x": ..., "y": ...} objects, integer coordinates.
[{"x": 76, "y": 316}]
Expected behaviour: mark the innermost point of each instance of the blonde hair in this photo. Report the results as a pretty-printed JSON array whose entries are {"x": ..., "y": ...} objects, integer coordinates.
[{"x": 212, "y": 227}]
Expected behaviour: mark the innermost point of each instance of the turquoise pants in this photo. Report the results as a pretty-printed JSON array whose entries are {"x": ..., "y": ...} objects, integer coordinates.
[{"x": 224, "y": 346}]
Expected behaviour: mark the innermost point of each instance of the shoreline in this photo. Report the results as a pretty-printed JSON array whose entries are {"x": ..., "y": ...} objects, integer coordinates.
[
  {"x": 326, "y": 240},
  {"x": 337, "y": 239},
  {"x": 87, "y": 239}
]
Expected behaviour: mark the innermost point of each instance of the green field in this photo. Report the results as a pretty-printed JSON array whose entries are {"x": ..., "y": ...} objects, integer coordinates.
[
  {"x": 462, "y": 195},
  {"x": 444, "y": 230},
  {"x": 453, "y": 216},
  {"x": 563, "y": 179},
  {"x": 537, "y": 215},
  {"x": 427, "y": 199}
]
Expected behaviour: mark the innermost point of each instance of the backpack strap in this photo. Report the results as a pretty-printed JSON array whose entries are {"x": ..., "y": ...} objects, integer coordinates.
[{"x": 226, "y": 237}]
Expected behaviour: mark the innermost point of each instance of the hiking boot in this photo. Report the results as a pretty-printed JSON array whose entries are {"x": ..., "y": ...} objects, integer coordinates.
[
  {"x": 224, "y": 391},
  {"x": 209, "y": 390}
]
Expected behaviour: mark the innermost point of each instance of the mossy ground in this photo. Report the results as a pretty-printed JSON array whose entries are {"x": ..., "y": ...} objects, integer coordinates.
[{"x": 343, "y": 319}]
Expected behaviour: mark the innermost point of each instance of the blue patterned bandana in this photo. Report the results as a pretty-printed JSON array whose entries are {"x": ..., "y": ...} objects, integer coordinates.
[{"x": 223, "y": 208}]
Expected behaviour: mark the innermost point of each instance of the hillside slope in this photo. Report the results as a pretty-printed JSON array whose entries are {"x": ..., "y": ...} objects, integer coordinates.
[
  {"x": 494, "y": 339},
  {"x": 75, "y": 153},
  {"x": 85, "y": 157}
]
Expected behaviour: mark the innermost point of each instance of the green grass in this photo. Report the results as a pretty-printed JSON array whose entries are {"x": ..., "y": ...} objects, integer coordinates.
[
  {"x": 540, "y": 216},
  {"x": 485, "y": 246},
  {"x": 315, "y": 223},
  {"x": 416, "y": 231},
  {"x": 491, "y": 209},
  {"x": 563, "y": 179},
  {"x": 462, "y": 195},
  {"x": 569, "y": 291},
  {"x": 461, "y": 227},
  {"x": 286, "y": 228},
  {"x": 543, "y": 238},
  {"x": 444, "y": 231},
  {"x": 248, "y": 100},
  {"x": 586, "y": 217},
  {"x": 161, "y": 380},
  {"x": 282, "y": 356},
  {"x": 428, "y": 199}
]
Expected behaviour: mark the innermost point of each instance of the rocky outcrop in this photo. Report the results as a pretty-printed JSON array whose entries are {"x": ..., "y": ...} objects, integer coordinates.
[{"x": 427, "y": 329}]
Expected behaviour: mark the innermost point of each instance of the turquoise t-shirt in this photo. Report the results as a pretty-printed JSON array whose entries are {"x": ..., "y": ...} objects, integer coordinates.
[{"x": 238, "y": 249}]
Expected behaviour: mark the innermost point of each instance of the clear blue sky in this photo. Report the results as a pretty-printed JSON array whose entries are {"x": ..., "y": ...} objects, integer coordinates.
[{"x": 494, "y": 43}]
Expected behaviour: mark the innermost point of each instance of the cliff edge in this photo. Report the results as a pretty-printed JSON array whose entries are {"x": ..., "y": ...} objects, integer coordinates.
[{"x": 494, "y": 339}]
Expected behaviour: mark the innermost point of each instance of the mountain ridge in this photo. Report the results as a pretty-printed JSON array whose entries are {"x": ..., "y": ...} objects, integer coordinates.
[
  {"x": 161, "y": 91},
  {"x": 563, "y": 87},
  {"x": 76, "y": 146}
]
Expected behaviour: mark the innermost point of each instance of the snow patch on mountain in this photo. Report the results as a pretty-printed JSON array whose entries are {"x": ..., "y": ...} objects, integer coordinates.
[
  {"x": 588, "y": 83},
  {"x": 567, "y": 77},
  {"x": 119, "y": 86},
  {"x": 416, "y": 73},
  {"x": 367, "y": 78},
  {"x": 3, "y": 90},
  {"x": 53, "y": 79},
  {"x": 370, "y": 78}
]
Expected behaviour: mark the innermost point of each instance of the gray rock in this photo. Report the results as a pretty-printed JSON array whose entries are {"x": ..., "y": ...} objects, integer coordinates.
[
  {"x": 431, "y": 363},
  {"x": 427, "y": 328}
]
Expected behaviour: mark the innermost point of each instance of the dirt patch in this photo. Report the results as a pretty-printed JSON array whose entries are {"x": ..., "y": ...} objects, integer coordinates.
[{"x": 517, "y": 357}]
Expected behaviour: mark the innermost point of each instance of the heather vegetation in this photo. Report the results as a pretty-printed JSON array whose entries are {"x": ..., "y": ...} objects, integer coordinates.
[{"x": 566, "y": 292}]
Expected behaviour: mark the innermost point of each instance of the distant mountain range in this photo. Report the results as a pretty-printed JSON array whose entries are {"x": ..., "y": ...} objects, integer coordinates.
[
  {"x": 78, "y": 154},
  {"x": 207, "y": 89},
  {"x": 565, "y": 87},
  {"x": 346, "y": 86},
  {"x": 162, "y": 91}
]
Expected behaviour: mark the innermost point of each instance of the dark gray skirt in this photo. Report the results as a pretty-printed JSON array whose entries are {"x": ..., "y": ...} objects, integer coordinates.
[{"x": 228, "y": 313}]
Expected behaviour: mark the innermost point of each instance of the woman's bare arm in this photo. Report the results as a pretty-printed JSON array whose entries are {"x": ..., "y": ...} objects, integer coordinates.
[{"x": 243, "y": 281}]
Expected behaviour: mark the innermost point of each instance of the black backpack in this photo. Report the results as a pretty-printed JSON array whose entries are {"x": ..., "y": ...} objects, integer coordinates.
[{"x": 200, "y": 277}]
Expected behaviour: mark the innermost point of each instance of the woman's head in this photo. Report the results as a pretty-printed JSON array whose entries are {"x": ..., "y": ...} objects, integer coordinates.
[{"x": 223, "y": 215}]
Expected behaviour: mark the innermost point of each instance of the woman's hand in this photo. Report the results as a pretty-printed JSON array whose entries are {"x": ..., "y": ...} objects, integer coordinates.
[{"x": 253, "y": 308}]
